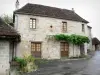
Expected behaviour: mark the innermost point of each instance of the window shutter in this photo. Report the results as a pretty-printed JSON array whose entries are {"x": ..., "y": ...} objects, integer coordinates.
[{"x": 32, "y": 23}]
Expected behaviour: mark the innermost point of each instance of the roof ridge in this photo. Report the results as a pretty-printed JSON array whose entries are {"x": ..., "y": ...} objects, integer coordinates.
[
  {"x": 49, "y": 11},
  {"x": 49, "y": 6}
]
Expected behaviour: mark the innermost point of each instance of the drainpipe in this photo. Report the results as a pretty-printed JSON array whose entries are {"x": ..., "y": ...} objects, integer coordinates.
[
  {"x": 73, "y": 49},
  {"x": 16, "y": 22}
]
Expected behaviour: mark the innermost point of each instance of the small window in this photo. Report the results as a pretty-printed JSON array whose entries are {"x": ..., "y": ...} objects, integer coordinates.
[
  {"x": 35, "y": 46},
  {"x": 64, "y": 27},
  {"x": 32, "y": 23},
  {"x": 83, "y": 28}
]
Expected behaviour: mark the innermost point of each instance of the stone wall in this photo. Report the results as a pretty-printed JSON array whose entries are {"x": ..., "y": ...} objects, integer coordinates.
[
  {"x": 74, "y": 50},
  {"x": 90, "y": 37},
  {"x": 4, "y": 57},
  {"x": 51, "y": 49}
]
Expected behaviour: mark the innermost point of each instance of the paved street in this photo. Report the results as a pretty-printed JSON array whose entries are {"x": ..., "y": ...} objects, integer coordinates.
[
  {"x": 93, "y": 66},
  {"x": 72, "y": 67}
]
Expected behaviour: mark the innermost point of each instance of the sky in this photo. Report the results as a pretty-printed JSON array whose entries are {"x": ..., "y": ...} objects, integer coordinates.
[{"x": 88, "y": 9}]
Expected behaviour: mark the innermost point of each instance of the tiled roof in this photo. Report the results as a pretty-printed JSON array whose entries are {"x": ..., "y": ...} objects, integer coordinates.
[
  {"x": 89, "y": 27},
  {"x": 7, "y": 30},
  {"x": 47, "y": 11},
  {"x": 95, "y": 41}
]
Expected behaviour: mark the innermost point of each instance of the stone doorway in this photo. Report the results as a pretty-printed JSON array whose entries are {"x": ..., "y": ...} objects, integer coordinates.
[{"x": 82, "y": 52}]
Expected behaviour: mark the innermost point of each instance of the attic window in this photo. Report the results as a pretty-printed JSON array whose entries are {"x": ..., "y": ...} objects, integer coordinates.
[{"x": 32, "y": 23}]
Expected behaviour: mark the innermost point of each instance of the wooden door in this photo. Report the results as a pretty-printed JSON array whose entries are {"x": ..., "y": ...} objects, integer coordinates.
[
  {"x": 64, "y": 49},
  {"x": 82, "y": 52},
  {"x": 36, "y": 49}
]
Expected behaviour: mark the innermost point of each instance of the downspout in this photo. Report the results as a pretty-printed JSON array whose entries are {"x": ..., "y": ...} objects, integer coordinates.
[
  {"x": 16, "y": 22},
  {"x": 73, "y": 50}
]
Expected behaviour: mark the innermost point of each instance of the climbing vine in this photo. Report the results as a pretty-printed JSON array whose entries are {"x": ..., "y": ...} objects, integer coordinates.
[{"x": 74, "y": 39}]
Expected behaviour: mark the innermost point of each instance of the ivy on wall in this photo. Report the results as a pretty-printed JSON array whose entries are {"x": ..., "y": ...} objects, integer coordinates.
[{"x": 74, "y": 39}]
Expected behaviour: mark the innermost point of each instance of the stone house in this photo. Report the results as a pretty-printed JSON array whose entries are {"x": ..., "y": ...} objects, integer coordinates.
[
  {"x": 95, "y": 44},
  {"x": 8, "y": 39},
  {"x": 36, "y": 22},
  {"x": 90, "y": 38}
]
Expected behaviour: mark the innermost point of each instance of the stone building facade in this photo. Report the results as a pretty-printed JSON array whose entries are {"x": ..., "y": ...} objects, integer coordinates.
[{"x": 48, "y": 23}]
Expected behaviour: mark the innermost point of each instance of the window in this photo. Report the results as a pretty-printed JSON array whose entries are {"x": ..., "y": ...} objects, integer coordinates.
[
  {"x": 83, "y": 28},
  {"x": 36, "y": 49},
  {"x": 35, "y": 46},
  {"x": 64, "y": 27},
  {"x": 32, "y": 23}
]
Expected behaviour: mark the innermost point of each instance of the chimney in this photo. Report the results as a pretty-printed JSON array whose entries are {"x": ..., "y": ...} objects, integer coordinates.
[
  {"x": 73, "y": 10},
  {"x": 17, "y": 4}
]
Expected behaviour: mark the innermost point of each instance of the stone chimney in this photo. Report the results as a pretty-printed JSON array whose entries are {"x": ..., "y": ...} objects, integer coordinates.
[
  {"x": 17, "y": 4},
  {"x": 73, "y": 10}
]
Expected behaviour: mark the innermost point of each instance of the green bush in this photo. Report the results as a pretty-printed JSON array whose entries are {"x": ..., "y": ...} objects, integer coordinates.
[
  {"x": 29, "y": 59},
  {"x": 26, "y": 64},
  {"x": 31, "y": 66},
  {"x": 22, "y": 62}
]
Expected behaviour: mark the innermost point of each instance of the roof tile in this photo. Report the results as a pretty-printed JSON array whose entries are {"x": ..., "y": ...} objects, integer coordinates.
[{"x": 47, "y": 11}]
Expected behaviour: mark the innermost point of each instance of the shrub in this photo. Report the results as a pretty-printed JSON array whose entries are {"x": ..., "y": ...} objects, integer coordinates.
[
  {"x": 21, "y": 62},
  {"x": 26, "y": 64},
  {"x": 31, "y": 66}
]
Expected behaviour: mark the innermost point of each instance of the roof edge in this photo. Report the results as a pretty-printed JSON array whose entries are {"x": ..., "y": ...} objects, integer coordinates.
[
  {"x": 89, "y": 26},
  {"x": 25, "y": 13}
]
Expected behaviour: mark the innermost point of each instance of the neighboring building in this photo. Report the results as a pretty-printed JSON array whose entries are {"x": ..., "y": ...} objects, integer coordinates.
[
  {"x": 90, "y": 38},
  {"x": 95, "y": 44},
  {"x": 8, "y": 39},
  {"x": 35, "y": 22}
]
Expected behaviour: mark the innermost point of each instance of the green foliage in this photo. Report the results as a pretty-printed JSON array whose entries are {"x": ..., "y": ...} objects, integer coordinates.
[
  {"x": 26, "y": 64},
  {"x": 21, "y": 62},
  {"x": 62, "y": 37},
  {"x": 7, "y": 18},
  {"x": 31, "y": 66},
  {"x": 29, "y": 58},
  {"x": 74, "y": 39}
]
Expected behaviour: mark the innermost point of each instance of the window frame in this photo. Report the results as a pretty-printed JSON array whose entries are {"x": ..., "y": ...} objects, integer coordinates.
[
  {"x": 83, "y": 28},
  {"x": 33, "y": 26},
  {"x": 64, "y": 27},
  {"x": 36, "y": 47}
]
